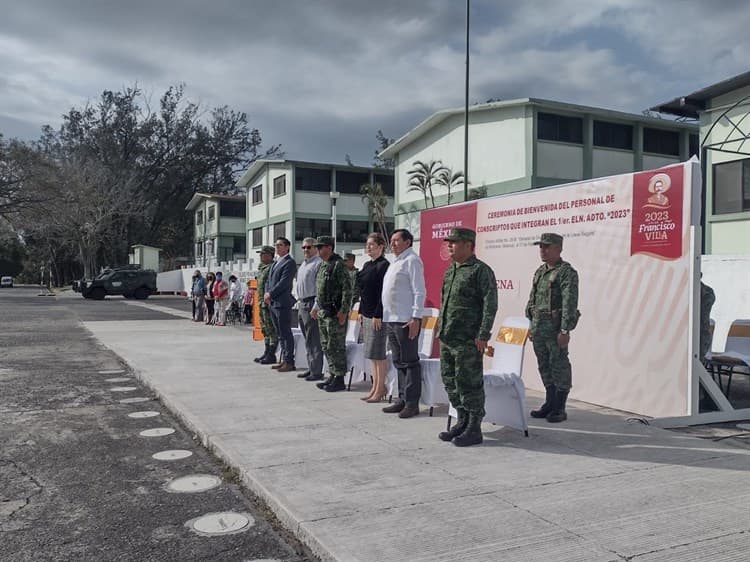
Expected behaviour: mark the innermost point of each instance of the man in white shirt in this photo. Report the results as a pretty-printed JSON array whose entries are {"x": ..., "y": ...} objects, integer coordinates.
[
  {"x": 306, "y": 274},
  {"x": 403, "y": 299}
]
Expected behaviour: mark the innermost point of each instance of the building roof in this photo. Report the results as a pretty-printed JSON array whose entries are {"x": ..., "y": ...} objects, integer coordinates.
[
  {"x": 440, "y": 116},
  {"x": 198, "y": 197},
  {"x": 258, "y": 165},
  {"x": 692, "y": 104}
]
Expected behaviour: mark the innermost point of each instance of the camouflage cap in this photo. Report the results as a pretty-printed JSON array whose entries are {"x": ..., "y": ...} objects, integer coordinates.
[
  {"x": 349, "y": 256},
  {"x": 457, "y": 234},
  {"x": 549, "y": 238},
  {"x": 324, "y": 241},
  {"x": 267, "y": 250}
]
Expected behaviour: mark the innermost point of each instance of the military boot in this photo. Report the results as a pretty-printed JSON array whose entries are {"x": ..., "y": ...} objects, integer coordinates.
[
  {"x": 558, "y": 413},
  {"x": 461, "y": 420},
  {"x": 546, "y": 408},
  {"x": 270, "y": 358},
  {"x": 262, "y": 357},
  {"x": 472, "y": 435},
  {"x": 323, "y": 385}
]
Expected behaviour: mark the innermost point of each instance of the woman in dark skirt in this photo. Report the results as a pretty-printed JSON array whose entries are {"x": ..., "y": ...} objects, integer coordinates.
[{"x": 370, "y": 283}]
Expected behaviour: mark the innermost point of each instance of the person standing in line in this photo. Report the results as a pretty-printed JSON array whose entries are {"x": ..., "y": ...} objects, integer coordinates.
[
  {"x": 210, "y": 282},
  {"x": 349, "y": 263},
  {"x": 553, "y": 311},
  {"x": 199, "y": 296},
  {"x": 221, "y": 291},
  {"x": 270, "y": 338},
  {"x": 306, "y": 275},
  {"x": 403, "y": 300},
  {"x": 279, "y": 297},
  {"x": 370, "y": 288},
  {"x": 468, "y": 305},
  {"x": 247, "y": 302},
  {"x": 333, "y": 299}
]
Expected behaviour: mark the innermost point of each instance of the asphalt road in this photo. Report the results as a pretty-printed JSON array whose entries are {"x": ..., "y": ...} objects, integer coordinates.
[{"x": 77, "y": 481}]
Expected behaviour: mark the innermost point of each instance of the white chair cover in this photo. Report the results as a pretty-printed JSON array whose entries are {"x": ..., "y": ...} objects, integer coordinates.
[{"x": 504, "y": 392}]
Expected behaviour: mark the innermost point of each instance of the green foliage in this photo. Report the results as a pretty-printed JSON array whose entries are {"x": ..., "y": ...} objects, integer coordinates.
[
  {"x": 376, "y": 200},
  {"x": 119, "y": 172}
]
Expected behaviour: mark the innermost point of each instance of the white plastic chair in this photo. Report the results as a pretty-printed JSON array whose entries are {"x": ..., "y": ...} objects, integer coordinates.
[{"x": 504, "y": 393}]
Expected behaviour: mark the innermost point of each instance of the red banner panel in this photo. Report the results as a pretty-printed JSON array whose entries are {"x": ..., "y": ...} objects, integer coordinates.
[{"x": 657, "y": 213}]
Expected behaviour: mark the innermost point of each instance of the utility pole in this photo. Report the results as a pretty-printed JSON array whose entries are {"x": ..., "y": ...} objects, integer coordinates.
[{"x": 466, "y": 112}]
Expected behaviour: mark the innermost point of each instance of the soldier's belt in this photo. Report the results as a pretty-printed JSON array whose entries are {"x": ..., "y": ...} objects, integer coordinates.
[{"x": 546, "y": 314}]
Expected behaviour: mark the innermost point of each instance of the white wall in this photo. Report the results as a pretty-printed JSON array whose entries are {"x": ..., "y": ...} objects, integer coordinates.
[
  {"x": 729, "y": 277},
  {"x": 651, "y": 162},
  {"x": 497, "y": 149},
  {"x": 233, "y": 225},
  {"x": 278, "y": 205},
  {"x": 558, "y": 160},
  {"x": 610, "y": 162}
]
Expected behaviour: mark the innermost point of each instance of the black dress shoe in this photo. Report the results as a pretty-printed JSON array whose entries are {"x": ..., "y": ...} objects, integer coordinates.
[
  {"x": 337, "y": 384},
  {"x": 303, "y": 375},
  {"x": 312, "y": 377}
]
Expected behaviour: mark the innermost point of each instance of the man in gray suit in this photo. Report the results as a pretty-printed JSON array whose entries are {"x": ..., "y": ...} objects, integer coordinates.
[{"x": 279, "y": 297}]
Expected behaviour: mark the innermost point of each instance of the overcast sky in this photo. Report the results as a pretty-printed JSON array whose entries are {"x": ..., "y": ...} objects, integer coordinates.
[{"x": 320, "y": 77}]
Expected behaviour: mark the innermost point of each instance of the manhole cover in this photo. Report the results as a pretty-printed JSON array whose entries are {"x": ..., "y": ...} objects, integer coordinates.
[
  {"x": 156, "y": 432},
  {"x": 144, "y": 414},
  {"x": 111, "y": 372},
  {"x": 743, "y": 426},
  {"x": 118, "y": 379},
  {"x": 134, "y": 400},
  {"x": 223, "y": 523},
  {"x": 123, "y": 388},
  {"x": 194, "y": 483},
  {"x": 172, "y": 455}
]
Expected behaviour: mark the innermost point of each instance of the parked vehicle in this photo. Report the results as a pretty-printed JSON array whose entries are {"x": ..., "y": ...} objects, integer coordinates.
[
  {"x": 6, "y": 281},
  {"x": 129, "y": 281}
]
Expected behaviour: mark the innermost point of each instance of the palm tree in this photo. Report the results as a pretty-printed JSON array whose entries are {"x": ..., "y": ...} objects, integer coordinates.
[
  {"x": 450, "y": 180},
  {"x": 376, "y": 200},
  {"x": 423, "y": 176}
]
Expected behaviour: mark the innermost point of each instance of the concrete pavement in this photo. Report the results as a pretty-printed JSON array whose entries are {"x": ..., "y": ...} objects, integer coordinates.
[{"x": 356, "y": 484}]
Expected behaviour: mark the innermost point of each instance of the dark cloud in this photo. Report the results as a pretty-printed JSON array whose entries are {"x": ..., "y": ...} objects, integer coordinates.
[{"x": 321, "y": 77}]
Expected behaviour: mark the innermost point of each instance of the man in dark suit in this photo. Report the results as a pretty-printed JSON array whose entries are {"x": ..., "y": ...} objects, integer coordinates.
[{"x": 279, "y": 297}]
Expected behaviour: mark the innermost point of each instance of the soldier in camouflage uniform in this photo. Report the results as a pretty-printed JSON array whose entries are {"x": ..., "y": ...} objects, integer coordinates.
[
  {"x": 708, "y": 298},
  {"x": 332, "y": 304},
  {"x": 269, "y": 332},
  {"x": 468, "y": 304},
  {"x": 349, "y": 263},
  {"x": 553, "y": 311}
]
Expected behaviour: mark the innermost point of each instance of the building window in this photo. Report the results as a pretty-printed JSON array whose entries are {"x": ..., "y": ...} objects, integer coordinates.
[
  {"x": 279, "y": 186},
  {"x": 199, "y": 250},
  {"x": 199, "y": 217},
  {"x": 731, "y": 187},
  {"x": 279, "y": 230},
  {"x": 386, "y": 181},
  {"x": 312, "y": 179},
  {"x": 352, "y": 231},
  {"x": 351, "y": 182},
  {"x": 257, "y": 237},
  {"x": 559, "y": 128},
  {"x": 311, "y": 227},
  {"x": 256, "y": 195},
  {"x": 694, "y": 146},
  {"x": 659, "y": 141},
  {"x": 239, "y": 245},
  {"x": 613, "y": 135},
  {"x": 232, "y": 209},
  {"x": 212, "y": 212}
]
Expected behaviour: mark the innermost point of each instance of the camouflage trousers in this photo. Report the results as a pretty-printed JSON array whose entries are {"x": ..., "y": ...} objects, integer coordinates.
[
  {"x": 266, "y": 326},
  {"x": 333, "y": 342},
  {"x": 463, "y": 376},
  {"x": 554, "y": 365}
]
